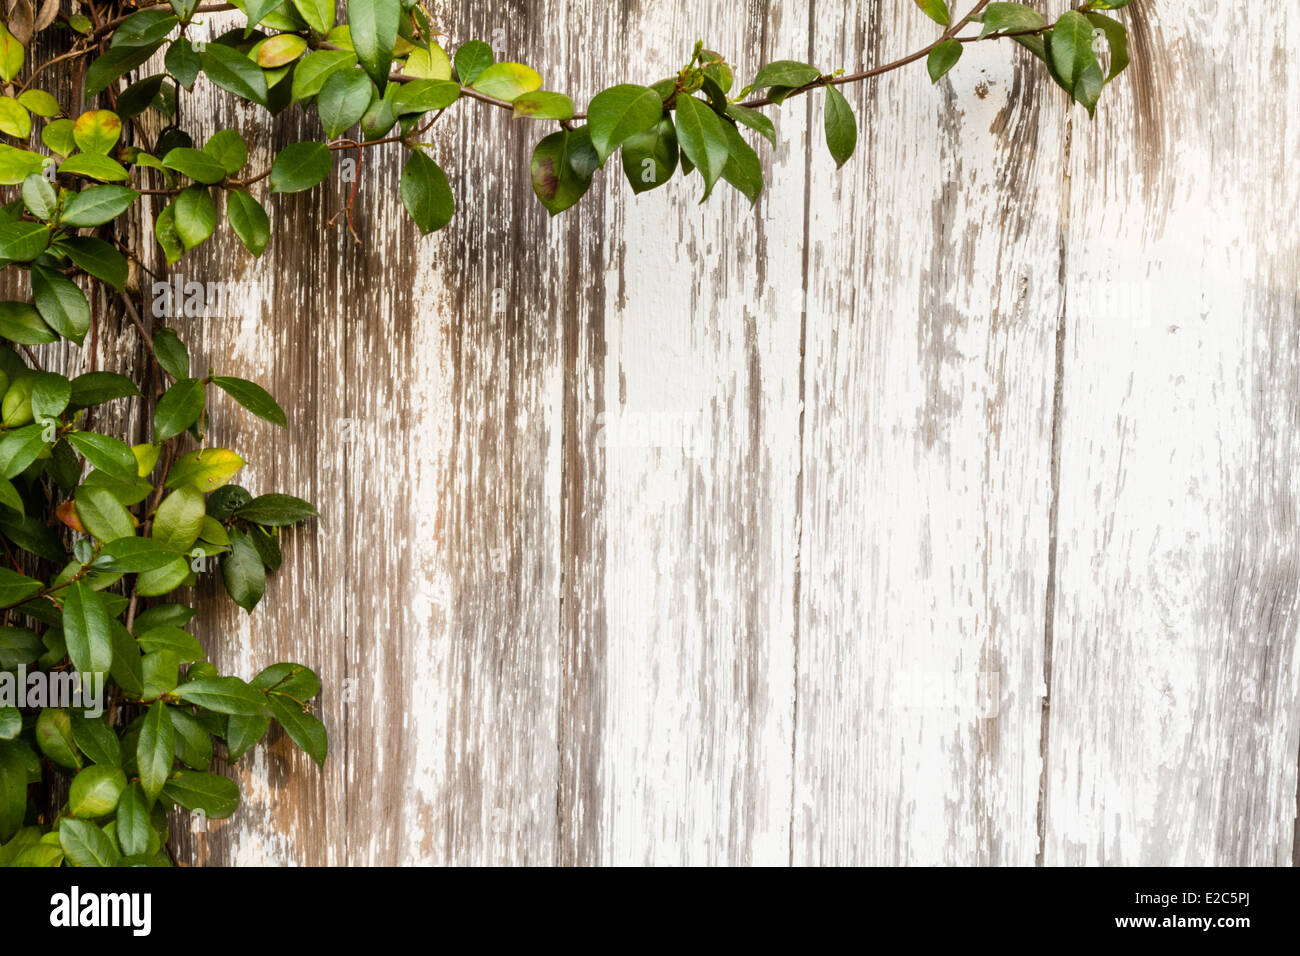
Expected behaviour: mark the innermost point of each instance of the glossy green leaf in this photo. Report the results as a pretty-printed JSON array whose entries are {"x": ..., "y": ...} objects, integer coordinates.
[
  {"x": 840, "y": 125},
  {"x": 85, "y": 844},
  {"x": 703, "y": 139},
  {"x": 243, "y": 572},
  {"x": 155, "y": 748},
  {"x": 373, "y": 26},
  {"x": 343, "y": 100},
  {"x": 300, "y": 166},
  {"x": 619, "y": 113},
  {"x": 86, "y": 629},
  {"x": 943, "y": 58},
  {"x": 234, "y": 72},
  {"x": 61, "y": 303},
  {"x": 427, "y": 196},
  {"x": 562, "y": 167},
  {"x": 178, "y": 409},
  {"x": 249, "y": 221}
]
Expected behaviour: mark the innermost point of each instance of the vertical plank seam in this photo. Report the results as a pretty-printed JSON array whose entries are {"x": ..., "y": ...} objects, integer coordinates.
[
  {"x": 1053, "y": 514},
  {"x": 803, "y": 411}
]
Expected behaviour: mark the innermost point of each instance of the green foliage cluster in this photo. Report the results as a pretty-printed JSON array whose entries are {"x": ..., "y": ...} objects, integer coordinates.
[{"x": 99, "y": 533}]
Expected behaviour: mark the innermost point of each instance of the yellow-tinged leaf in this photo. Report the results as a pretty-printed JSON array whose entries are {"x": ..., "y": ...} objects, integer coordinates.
[
  {"x": 506, "y": 81},
  {"x": 204, "y": 470},
  {"x": 40, "y": 103},
  {"x": 279, "y": 50},
  {"x": 433, "y": 64},
  {"x": 17, "y": 164},
  {"x": 97, "y": 131},
  {"x": 11, "y": 55},
  {"x": 14, "y": 120},
  {"x": 146, "y": 457}
]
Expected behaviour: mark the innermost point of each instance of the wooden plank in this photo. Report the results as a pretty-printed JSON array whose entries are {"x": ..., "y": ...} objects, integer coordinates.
[
  {"x": 1175, "y": 717},
  {"x": 931, "y": 320},
  {"x": 428, "y": 399},
  {"x": 684, "y": 755}
]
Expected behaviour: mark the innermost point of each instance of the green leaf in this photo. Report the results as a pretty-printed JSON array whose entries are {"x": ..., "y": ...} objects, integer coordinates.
[
  {"x": 182, "y": 61},
  {"x": 841, "y": 126},
  {"x": 171, "y": 353},
  {"x": 23, "y": 241},
  {"x": 54, "y": 737},
  {"x": 179, "y": 518},
  {"x": 183, "y": 645},
  {"x": 343, "y": 100},
  {"x": 96, "y": 388},
  {"x": 11, "y": 722},
  {"x": 936, "y": 10},
  {"x": 93, "y": 166},
  {"x": 165, "y": 231},
  {"x": 243, "y": 572},
  {"x": 144, "y": 28},
  {"x": 303, "y": 729},
  {"x": 131, "y": 555},
  {"x": 133, "y": 827},
  {"x": 249, "y": 221},
  {"x": 13, "y": 787},
  {"x": 562, "y": 167},
  {"x": 21, "y": 323},
  {"x": 18, "y": 646},
  {"x": 95, "y": 738},
  {"x": 216, "y": 796},
  {"x": 14, "y": 588},
  {"x": 293, "y": 680},
  {"x": 196, "y": 215},
  {"x": 17, "y": 164},
  {"x": 19, "y": 448},
  {"x": 9, "y": 497},
  {"x": 785, "y": 73},
  {"x": 507, "y": 81},
  {"x": 197, "y": 164},
  {"x": 374, "y": 33},
  {"x": 319, "y": 14},
  {"x": 471, "y": 60},
  {"x": 95, "y": 257},
  {"x": 85, "y": 844},
  {"x": 11, "y": 55},
  {"x": 421, "y": 96},
  {"x": 193, "y": 740},
  {"x": 300, "y": 166},
  {"x": 742, "y": 169},
  {"x": 703, "y": 139},
  {"x": 234, "y": 72},
  {"x": 164, "y": 579},
  {"x": 14, "y": 120},
  {"x": 1116, "y": 40},
  {"x": 1074, "y": 58},
  {"x": 118, "y": 60},
  {"x": 105, "y": 453},
  {"x": 102, "y": 514},
  {"x": 39, "y": 198},
  {"x": 650, "y": 158},
  {"x": 40, "y": 103},
  {"x": 95, "y": 791},
  {"x": 754, "y": 120},
  {"x": 224, "y": 695},
  {"x": 242, "y": 733},
  {"x": 426, "y": 195},
  {"x": 97, "y": 205},
  {"x": 50, "y": 395},
  {"x": 943, "y": 58},
  {"x": 86, "y": 629},
  {"x": 619, "y": 113},
  {"x": 1010, "y": 18},
  {"x": 178, "y": 409},
  {"x": 204, "y": 469},
  {"x": 154, "y": 749},
  {"x": 276, "y": 510},
  {"x": 315, "y": 68},
  {"x": 61, "y": 303},
  {"x": 543, "y": 105}
]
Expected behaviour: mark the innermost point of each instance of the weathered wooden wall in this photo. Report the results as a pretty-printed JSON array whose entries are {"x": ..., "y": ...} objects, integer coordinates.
[{"x": 942, "y": 510}]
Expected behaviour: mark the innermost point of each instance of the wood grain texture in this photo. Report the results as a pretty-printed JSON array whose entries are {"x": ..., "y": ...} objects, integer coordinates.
[
  {"x": 661, "y": 533},
  {"x": 1175, "y": 684},
  {"x": 932, "y": 304}
]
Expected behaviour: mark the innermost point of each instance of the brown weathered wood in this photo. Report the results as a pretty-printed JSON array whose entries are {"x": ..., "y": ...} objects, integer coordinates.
[{"x": 666, "y": 533}]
